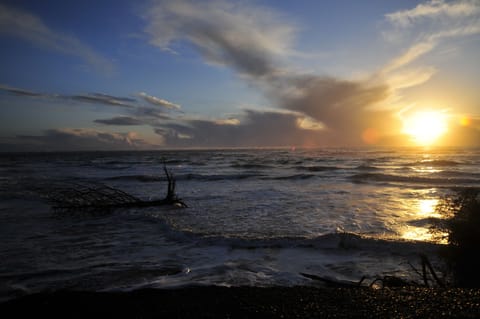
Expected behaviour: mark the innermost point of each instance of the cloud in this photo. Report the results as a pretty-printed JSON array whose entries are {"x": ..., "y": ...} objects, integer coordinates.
[
  {"x": 158, "y": 101},
  {"x": 18, "y": 23},
  {"x": 435, "y": 9},
  {"x": 422, "y": 30},
  {"x": 67, "y": 139},
  {"x": 234, "y": 34},
  {"x": 150, "y": 113},
  {"x": 346, "y": 108},
  {"x": 21, "y": 92},
  {"x": 99, "y": 98},
  {"x": 253, "y": 41},
  {"x": 136, "y": 108},
  {"x": 429, "y": 24},
  {"x": 134, "y": 112},
  {"x": 120, "y": 121},
  {"x": 253, "y": 128},
  {"x": 411, "y": 54},
  {"x": 410, "y": 77}
]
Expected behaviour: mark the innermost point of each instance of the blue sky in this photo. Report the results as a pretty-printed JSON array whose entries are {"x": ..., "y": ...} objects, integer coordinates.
[{"x": 92, "y": 75}]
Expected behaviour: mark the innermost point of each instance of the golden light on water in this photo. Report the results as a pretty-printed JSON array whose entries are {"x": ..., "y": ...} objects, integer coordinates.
[
  {"x": 425, "y": 127},
  {"x": 424, "y": 208},
  {"x": 417, "y": 233},
  {"x": 427, "y": 208}
]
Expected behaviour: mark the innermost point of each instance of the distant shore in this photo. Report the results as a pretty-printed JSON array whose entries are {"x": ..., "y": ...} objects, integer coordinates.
[{"x": 249, "y": 302}]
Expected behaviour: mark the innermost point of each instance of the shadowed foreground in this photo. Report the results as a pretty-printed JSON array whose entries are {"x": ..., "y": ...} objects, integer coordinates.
[{"x": 248, "y": 302}]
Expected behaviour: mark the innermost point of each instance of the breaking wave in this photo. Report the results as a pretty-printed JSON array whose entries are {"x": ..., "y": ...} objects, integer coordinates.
[{"x": 430, "y": 180}]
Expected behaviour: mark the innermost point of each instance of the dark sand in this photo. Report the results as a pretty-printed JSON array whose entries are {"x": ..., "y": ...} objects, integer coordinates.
[{"x": 249, "y": 302}]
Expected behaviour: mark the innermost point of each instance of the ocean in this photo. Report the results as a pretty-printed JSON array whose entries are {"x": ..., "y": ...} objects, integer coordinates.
[{"x": 255, "y": 217}]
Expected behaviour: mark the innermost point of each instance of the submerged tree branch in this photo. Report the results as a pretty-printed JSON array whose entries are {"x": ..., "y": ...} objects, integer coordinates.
[{"x": 76, "y": 196}]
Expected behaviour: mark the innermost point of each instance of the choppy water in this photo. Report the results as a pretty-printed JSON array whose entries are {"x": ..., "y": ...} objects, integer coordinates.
[{"x": 255, "y": 217}]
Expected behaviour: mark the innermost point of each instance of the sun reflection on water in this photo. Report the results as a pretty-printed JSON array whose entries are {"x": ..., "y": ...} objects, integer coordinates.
[
  {"x": 427, "y": 208},
  {"x": 422, "y": 209},
  {"x": 417, "y": 233},
  {"x": 426, "y": 170}
]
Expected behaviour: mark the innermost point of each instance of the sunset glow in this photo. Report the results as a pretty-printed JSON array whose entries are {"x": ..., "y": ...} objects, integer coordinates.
[
  {"x": 238, "y": 74},
  {"x": 425, "y": 128},
  {"x": 271, "y": 147}
]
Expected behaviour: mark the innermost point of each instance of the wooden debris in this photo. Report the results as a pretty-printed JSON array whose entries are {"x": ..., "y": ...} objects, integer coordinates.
[{"x": 97, "y": 196}]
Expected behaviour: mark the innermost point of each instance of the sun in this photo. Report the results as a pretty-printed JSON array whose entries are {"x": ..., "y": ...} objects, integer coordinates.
[{"x": 425, "y": 127}]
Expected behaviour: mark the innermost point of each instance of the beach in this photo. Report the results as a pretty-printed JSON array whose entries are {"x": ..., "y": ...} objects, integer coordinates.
[
  {"x": 239, "y": 159},
  {"x": 249, "y": 302},
  {"x": 255, "y": 218}
]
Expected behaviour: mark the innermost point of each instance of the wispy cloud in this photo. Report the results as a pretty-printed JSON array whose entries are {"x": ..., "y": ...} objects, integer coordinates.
[
  {"x": 134, "y": 106},
  {"x": 98, "y": 98},
  {"x": 158, "y": 101},
  {"x": 236, "y": 34},
  {"x": 422, "y": 30},
  {"x": 411, "y": 54},
  {"x": 435, "y": 9},
  {"x": 22, "y": 92},
  {"x": 120, "y": 121},
  {"x": 22, "y": 24},
  {"x": 429, "y": 24}
]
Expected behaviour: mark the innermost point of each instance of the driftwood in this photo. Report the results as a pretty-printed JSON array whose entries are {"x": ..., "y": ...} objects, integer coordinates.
[
  {"x": 386, "y": 281},
  {"x": 426, "y": 265},
  {"x": 76, "y": 196},
  {"x": 334, "y": 283}
]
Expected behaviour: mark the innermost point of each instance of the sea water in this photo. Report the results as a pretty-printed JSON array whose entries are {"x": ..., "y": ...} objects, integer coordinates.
[{"x": 258, "y": 217}]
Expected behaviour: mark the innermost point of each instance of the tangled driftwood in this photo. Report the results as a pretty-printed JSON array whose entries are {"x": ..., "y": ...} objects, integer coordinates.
[
  {"x": 388, "y": 281},
  {"x": 96, "y": 196}
]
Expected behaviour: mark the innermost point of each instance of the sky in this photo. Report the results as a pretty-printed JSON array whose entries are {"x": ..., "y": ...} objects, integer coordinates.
[{"x": 138, "y": 75}]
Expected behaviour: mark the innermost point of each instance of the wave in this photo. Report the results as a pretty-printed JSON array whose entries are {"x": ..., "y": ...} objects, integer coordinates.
[
  {"x": 335, "y": 240},
  {"x": 317, "y": 168},
  {"x": 190, "y": 176},
  {"x": 111, "y": 166},
  {"x": 251, "y": 166},
  {"x": 139, "y": 178},
  {"x": 455, "y": 173},
  {"x": 366, "y": 168},
  {"x": 435, "y": 163},
  {"x": 378, "y": 177},
  {"x": 216, "y": 177},
  {"x": 290, "y": 177},
  {"x": 425, "y": 222}
]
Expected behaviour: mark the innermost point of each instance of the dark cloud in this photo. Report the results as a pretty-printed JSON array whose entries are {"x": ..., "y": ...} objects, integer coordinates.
[
  {"x": 135, "y": 107},
  {"x": 77, "y": 139},
  {"x": 256, "y": 129},
  {"x": 346, "y": 108},
  {"x": 21, "y": 92},
  {"x": 115, "y": 98},
  {"x": 121, "y": 121},
  {"x": 150, "y": 112},
  {"x": 98, "y": 98}
]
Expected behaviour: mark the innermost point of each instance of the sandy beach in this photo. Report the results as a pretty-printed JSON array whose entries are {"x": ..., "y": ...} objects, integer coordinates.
[{"x": 248, "y": 302}]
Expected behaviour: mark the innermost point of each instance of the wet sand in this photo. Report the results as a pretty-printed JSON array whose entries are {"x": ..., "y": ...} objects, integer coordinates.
[{"x": 249, "y": 302}]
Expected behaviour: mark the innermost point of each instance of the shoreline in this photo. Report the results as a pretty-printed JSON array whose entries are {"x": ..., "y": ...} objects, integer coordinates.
[{"x": 248, "y": 302}]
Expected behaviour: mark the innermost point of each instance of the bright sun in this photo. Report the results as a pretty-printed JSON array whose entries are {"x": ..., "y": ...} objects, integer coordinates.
[{"x": 425, "y": 127}]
